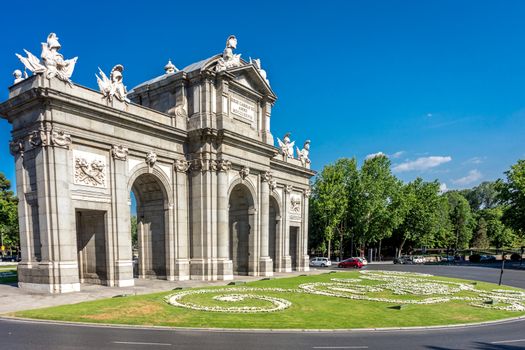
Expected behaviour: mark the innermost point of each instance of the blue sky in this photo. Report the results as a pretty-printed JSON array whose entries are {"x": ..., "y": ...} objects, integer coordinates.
[{"x": 439, "y": 86}]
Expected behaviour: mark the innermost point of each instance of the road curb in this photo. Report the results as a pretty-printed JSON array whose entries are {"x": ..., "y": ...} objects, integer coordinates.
[{"x": 262, "y": 330}]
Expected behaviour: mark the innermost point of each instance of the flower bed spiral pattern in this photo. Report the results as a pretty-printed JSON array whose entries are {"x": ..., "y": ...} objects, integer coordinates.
[{"x": 416, "y": 288}]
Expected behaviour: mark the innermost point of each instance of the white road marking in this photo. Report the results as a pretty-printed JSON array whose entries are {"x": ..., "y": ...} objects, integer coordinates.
[
  {"x": 508, "y": 341},
  {"x": 139, "y": 343},
  {"x": 340, "y": 347}
]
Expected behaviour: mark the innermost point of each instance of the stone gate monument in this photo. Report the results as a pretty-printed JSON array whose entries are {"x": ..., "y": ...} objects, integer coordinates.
[{"x": 215, "y": 198}]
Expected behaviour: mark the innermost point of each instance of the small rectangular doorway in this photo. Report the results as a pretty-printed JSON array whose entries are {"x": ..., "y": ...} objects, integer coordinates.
[{"x": 91, "y": 246}]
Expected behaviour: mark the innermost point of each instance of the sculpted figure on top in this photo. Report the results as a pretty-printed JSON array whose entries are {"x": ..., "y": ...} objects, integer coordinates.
[
  {"x": 53, "y": 63},
  {"x": 229, "y": 59},
  {"x": 286, "y": 146},
  {"x": 304, "y": 154},
  {"x": 257, "y": 63},
  {"x": 112, "y": 87}
]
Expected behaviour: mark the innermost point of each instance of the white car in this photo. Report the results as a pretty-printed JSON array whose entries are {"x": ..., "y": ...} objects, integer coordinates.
[
  {"x": 319, "y": 261},
  {"x": 419, "y": 260}
]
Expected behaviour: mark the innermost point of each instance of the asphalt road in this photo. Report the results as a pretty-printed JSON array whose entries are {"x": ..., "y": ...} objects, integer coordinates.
[{"x": 508, "y": 335}]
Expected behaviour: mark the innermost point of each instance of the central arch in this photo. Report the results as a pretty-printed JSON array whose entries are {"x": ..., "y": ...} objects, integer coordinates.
[
  {"x": 241, "y": 226},
  {"x": 152, "y": 220}
]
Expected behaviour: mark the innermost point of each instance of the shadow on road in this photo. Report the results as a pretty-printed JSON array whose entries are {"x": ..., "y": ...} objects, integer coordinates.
[{"x": 483, "y": 346}]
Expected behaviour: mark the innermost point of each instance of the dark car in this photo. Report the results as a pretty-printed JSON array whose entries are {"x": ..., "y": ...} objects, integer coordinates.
[{"x": 352, "y": 262}]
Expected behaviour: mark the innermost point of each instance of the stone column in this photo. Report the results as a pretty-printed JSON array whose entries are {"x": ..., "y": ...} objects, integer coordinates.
[
  {"x": 225, "y": 265},
  {"x": 287, "y": 260},
  {"x": 304, "y": 263},
  {"x": 123, "y": 261},
  {"x": 265, "y": 262},
  {"x": 182, "y": 263},
  {"x": 57, "y": 272}
]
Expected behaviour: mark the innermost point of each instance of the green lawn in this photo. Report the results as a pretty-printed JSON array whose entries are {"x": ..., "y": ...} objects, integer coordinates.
[
  {"x": 307, "y": 311},
  {"x": 8, "y": 274}
]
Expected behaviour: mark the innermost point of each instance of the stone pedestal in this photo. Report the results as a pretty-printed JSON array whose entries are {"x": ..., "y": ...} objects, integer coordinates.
[
  {"x": 266, "y": 266},
  {"x": 286, "y": 264},
  {"x": 182, "y": 270},
  {"x": 225, "y": 270}
]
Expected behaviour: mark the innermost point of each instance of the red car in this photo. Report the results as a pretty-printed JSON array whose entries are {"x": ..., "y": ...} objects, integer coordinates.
[{"x": 352, "y": 262}]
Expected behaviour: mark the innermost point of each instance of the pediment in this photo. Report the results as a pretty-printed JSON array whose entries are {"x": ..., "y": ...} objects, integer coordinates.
[{"x": 249, "y": 76}]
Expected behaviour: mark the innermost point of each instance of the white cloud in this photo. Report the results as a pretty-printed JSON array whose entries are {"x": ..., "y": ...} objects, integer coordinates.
[
  {"x": 475, "y": 160},
  {"x": 422, "y": 163},
  {"x": 397, "y": 154},
  {"x": 379, "y": 154},
  {"x": 443, "y": 187},
  {"x": 472, "y": 176},
  {"x": 373, "y": 155}
]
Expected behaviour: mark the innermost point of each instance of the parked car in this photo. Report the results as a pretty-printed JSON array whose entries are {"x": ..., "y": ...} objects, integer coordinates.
[
  {"x": 447, "y": 258},
  {"x": 11, "y": 258},
  {"x": 487, "y": 258},
  {"x": 320, "y": 261},
  {"x": 363, "y": 260},
  {"x": 351, "y": 262},
  {"x": 404, "y": 259},
  {"x": 418, "y": 259}
]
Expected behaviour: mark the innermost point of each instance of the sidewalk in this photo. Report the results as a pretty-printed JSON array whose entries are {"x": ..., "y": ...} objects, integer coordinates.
[{"x": 14, "y": 299}]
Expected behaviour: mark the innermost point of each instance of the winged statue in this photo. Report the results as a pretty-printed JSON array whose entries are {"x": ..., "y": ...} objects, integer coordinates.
[
  {"x": 304, "y": 154},
  {"x": 286, "y": 146},
  {"x": 112, "y": 86},
  {"x": 52, "y": 64}
]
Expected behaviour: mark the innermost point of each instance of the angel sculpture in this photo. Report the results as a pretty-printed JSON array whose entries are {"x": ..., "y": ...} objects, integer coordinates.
[
  {"x": 52, "y": 64},
  {"x": 229, "y": 59},
  {"x": 304, "y": 153},
  {"x": 112, "y": 86},
  {"x": 286, "y": 146}
]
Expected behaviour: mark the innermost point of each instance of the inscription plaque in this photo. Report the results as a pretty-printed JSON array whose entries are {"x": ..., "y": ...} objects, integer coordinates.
[{"x": 242, "y": 107}]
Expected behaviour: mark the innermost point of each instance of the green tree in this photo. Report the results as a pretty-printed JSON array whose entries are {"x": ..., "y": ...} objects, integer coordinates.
[
  {"x": 483, "y": 196},
  {"x": 480, "y": 238},
  {"x": 330, "y": 200},
  {"x": 512, "y": 196},
  {"x": 461, "y": 219},
  {"x": 134, "y": 234},
  {"x": 422, "y": 221},
  {"x": 376, "y": 204},
  {"x": 9, "y": 233},
  {"x": 499, "y": 235}
]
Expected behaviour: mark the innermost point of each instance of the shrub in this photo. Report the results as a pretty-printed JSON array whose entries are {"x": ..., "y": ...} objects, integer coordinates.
[{"x": 475, "y": 258}]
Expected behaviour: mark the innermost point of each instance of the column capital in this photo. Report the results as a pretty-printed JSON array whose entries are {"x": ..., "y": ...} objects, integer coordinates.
[
  {"x": 119, "y": 152},
  {"x": 182, "y": 165}
]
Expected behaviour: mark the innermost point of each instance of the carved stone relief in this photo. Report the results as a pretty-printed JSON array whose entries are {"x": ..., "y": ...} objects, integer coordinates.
[
  {"x": 295, "y": 204},
  {"x": 119, "y": 152},
  {"x": 151, "y": 159},
  {"x": 16, "y": 146},
  {"x": 60, "y": 138},
  {"x": 38, "y": 138},
  {"x": 90, "y": 169},
  {"x": 224, "y": 165},
  {"x": 244, "y": 172},
  {"x": 182, "y": 165}
]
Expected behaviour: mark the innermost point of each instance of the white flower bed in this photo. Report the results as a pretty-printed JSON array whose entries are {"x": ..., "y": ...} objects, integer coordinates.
[
  {"x": 239, "y": 294},
  {"x": 428, "y": 291}
]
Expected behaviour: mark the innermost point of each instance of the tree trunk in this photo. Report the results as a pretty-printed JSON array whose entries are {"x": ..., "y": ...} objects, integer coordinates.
[
  {"x": 379, "y": 251},
  {"x": 341, "y": 247},
  {"x": 401, "y": 247},
  {"x": 329, "y": 241}
]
